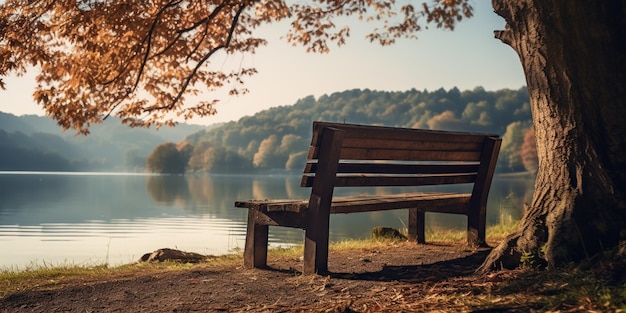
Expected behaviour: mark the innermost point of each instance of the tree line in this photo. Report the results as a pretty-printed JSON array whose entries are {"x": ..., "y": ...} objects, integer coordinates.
[{"x": 278, "y": 138}]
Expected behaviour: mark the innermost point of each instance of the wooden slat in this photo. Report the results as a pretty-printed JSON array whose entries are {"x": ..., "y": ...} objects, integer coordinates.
[
  {"x": 388, "y": 180},
  {"x": 416, "y": 143},
  {"x": 453, "y": 203},
  {"x": 401, "y": 155},
  {"x": 408, "y": 155},
  {"x": 381, "y": 132},
  {"x": 273, "y": 205},
  {"x": 396, "y": 168},
  {"x": 299, "y": 205}
]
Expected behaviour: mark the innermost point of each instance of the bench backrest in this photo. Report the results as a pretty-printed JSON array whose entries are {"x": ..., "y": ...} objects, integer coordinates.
[
  {"x": 350, "y": 155},
  {"x": 346, "y": 155}
]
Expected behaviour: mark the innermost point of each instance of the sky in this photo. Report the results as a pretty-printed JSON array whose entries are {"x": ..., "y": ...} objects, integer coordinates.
[{"x": 465, "y": 58}]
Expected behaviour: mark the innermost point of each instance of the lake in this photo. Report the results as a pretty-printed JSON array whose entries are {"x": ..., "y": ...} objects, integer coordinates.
[{"x": 52, "y": 218}]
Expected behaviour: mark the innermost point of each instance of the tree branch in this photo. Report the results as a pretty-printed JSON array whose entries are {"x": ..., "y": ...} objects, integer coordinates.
[
  {"x": 504, "y": 35},
  {"x": 147, "y": 38},
  {"x": 195, "y": 25},
  {"x": 187, "y": 81},
  {"x": 206, "y": 19}
]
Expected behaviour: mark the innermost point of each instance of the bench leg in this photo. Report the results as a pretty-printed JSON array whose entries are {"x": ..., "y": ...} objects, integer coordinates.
[
  {"x": 255, "y": 251},
  {"x": 316, "y": 240},
  {"x": 476, "y": 224},
  {"x": 417, "y": 227}
]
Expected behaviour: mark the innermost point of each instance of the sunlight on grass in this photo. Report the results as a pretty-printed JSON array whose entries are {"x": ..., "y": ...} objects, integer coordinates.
[
  {"x": 12, "y": 280},
  {"x": 52, "y": 276}
]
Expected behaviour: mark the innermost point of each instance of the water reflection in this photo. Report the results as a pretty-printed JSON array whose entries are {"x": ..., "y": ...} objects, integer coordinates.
[
  {"x": 95, "y": 217},
  {"x": 508, "y": 197},
  {"x": 168, "y": 189}
]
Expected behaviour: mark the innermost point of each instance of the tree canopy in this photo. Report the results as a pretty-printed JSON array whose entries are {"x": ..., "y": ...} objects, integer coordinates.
[
  {"x": 141, "y": 61},
  {"x": 167, "y": 158}
]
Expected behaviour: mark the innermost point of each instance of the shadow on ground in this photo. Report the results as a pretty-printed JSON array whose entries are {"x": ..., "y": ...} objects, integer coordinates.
[{"x": 437, "y": 271}]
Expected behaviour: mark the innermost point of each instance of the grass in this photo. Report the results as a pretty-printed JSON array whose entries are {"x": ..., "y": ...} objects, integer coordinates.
[
  {"x": 49, "y": 277},
  {"x": 495, "y": 233},
  {"x": 598, "y": 285}
]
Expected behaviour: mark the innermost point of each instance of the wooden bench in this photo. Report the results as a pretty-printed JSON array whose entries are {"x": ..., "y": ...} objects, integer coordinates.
[{"x": 348, "y": 155}]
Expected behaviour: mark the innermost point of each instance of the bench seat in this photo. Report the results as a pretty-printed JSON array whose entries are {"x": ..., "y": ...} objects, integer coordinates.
[{"x": 427, "y": 201}]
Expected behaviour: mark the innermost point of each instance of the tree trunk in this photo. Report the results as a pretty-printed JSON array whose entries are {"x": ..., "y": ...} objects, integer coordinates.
[{"x": 574, "y": 59}]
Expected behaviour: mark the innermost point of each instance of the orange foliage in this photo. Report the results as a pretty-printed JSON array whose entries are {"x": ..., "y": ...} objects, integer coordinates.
[{"x": 141, "y": 60}]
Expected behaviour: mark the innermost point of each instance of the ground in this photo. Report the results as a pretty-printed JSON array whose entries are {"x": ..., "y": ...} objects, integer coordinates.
[{"x": 402, "y": 277}]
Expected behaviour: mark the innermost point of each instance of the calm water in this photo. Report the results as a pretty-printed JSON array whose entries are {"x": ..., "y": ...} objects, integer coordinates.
[{"x": 95, "y": 218}]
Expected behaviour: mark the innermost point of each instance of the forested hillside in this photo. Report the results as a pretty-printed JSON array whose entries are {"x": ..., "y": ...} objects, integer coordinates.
[{"x": 278, "y": 138}]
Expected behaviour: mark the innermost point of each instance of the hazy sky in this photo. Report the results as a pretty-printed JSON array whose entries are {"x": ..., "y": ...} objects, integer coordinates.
[{"x": 466, "y": 58}]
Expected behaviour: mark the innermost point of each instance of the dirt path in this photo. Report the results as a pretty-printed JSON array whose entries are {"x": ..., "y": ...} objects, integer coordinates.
[{"x": 404, "y": 277}]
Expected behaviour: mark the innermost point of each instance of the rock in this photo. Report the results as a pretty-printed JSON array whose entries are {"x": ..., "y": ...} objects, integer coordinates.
[
  {"x": 173, "y": 255},
  {"x": 387, "y": 233}
]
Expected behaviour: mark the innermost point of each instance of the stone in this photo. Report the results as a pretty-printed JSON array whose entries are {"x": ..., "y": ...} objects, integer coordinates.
[
  {"x": 387, "y": 233},
  {"x": 173, "y": 255}
]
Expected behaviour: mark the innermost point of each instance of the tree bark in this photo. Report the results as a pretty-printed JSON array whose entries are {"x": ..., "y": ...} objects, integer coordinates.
[{"x": 574, "y": 60}]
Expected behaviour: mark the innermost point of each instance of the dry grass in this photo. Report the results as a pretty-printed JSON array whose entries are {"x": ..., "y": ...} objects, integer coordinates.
[{"x": 50, "y": 277}]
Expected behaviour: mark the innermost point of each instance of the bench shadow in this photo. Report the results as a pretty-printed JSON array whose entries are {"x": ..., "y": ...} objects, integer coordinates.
[{"x": 437, "y": 271}]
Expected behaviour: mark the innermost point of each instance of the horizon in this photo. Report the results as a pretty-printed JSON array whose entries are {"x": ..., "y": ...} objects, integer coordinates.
[{"x": 465, "y": 58}]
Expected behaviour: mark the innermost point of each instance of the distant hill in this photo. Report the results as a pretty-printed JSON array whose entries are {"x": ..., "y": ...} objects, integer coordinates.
[
  {"x": 278, "y": 138},
  {"x": 33, "y": 142},
  {"x": 11, "y": 123}
]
